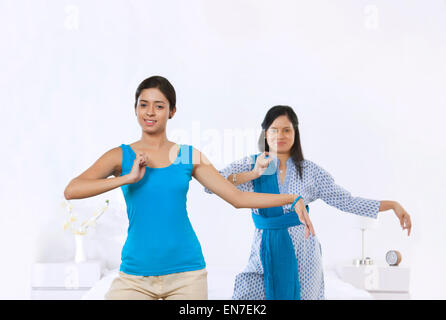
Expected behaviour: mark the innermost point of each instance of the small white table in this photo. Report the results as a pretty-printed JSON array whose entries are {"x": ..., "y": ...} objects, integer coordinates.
[
  {"x": 382, "y": 282},
  {"x": 63, "y": 281}
]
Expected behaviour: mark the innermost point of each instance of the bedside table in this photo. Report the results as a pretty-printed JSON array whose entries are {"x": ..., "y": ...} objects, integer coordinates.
[
  {"x": 63, "y": 281},
  {"x": 382, "y": 282}
]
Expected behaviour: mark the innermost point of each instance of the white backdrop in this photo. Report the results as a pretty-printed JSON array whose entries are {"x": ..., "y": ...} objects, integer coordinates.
[{"x": 367, "y": 80}]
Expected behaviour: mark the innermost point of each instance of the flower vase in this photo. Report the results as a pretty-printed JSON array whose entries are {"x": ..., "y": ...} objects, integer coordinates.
[{"x": 79, "y": 249}]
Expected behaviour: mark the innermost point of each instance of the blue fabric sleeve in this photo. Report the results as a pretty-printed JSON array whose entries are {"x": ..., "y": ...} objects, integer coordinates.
[{"x": 338, "y": 197}]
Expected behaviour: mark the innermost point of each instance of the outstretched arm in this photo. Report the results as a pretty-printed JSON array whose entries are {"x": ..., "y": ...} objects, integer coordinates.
[
  {"x": 340, "y": 198},
  {"x": 211, "y": 179}
]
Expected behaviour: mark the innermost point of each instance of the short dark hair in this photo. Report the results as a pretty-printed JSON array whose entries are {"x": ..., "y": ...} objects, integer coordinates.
[
  {"x": 160, "y": 83},
  {"x": 296, "y": 150}
]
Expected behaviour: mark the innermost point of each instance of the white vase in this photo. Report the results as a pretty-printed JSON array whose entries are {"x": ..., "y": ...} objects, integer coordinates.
[{"x": 79, "y": 249}]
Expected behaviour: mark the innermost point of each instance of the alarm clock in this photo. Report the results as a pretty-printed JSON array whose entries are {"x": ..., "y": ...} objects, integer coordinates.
[{"x": 393, "y": 258}]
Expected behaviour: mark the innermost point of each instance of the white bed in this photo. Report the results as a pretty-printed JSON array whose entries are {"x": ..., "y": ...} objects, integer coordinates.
[{"x": 221, "y": 281}]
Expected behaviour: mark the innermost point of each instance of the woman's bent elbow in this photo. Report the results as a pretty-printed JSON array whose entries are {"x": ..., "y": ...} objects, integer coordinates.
[
  {"x": 236, "y": 205},
  {"x": 67, "y": 194},
  {"x": 236, "y": 202}
]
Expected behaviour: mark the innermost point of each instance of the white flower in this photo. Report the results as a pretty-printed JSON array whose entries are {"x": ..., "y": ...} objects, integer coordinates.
[{"x": 82, "y": 230}]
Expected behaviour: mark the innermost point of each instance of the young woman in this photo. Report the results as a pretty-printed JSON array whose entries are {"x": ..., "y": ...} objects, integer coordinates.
[
  {"x": 162, "y": 257},
  {"x": 267, "y": 276}
]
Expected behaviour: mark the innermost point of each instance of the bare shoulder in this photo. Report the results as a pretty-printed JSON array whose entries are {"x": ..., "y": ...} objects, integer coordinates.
[
  {"x": 198, "y": 159},
  {"x": 115, "y": 151},
  {"x": 108, "y": 164},
  {"x": 111, "y": 161},
  {"x": 114, "y": 156}
]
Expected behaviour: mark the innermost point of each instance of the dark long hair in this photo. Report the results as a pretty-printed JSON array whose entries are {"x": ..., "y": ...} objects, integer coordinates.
[{"x": 296, "y": 150}]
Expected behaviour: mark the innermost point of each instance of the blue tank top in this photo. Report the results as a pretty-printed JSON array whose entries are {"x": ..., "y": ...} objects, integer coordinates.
[{"x": 160, "y": 238}]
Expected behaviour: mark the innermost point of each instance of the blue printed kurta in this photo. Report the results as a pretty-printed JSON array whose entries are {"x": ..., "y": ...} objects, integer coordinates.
[{"x": 316, "y": 184}]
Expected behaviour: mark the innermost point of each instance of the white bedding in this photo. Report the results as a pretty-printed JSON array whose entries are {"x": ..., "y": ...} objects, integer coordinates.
[{"x": 221, "y": 281}]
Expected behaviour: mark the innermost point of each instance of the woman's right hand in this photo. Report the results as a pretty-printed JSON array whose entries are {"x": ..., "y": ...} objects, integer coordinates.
[
  {"x": 138, "y": 168},
  {"x": 261, "y": 164},
  {"x": 304, "y": 218}
]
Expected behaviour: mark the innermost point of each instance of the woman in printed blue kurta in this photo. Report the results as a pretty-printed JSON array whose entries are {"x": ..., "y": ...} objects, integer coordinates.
[{"x": 313, "y": 183}]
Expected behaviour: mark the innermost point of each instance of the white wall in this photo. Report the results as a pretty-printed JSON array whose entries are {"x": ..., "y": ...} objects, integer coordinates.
[{"x": 366, "y": 79}]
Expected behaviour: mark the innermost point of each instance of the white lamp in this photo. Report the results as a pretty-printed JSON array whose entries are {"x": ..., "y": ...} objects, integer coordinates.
[{"x": 365, "y": 223}]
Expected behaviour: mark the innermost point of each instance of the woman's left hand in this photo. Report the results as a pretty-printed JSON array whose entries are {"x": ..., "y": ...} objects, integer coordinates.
[{"x": 403, "y": 216}]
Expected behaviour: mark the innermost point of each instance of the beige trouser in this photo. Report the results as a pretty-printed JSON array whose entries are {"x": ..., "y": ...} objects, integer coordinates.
[{"x": 189, "y": 285}]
